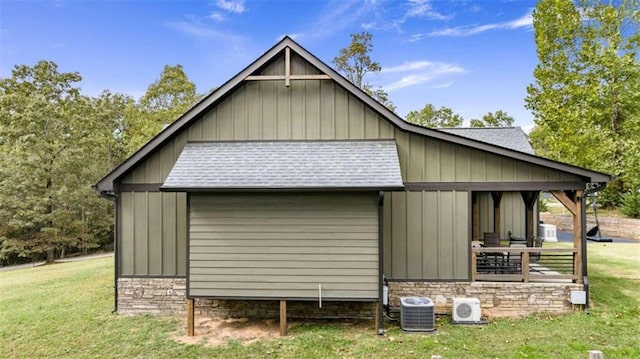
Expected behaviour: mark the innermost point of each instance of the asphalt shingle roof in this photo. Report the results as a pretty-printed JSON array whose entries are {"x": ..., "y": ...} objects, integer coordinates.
[
  {"x": 512, "y": 138},
  {"x": 286, "y": 165}
]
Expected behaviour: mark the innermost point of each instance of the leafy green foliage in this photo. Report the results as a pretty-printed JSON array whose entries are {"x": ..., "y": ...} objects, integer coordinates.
[
  {"x": 49, "y": 140},
  {"x": 631, "y": 203},
  {"x": 586, "y": 98},
  {"x": 429, "y": 116},
  {"x": 165, "y": 100},
  {"x": 498, "y": 119},
  {"x": 354, "y": 63}
]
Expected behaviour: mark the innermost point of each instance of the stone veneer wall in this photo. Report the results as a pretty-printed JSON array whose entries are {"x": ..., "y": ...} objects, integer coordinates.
[
  {"x": 167, "y": 296},
  {"x": 497, "y": 299},
  {"x": 609, "y": 226}
]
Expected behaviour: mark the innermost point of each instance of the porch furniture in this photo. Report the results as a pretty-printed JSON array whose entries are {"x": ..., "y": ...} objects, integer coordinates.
[{"x": 491, "y": 239}]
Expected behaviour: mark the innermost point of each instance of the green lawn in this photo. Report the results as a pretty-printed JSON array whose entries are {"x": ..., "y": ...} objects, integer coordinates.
[{"x": 64, "y": 310}]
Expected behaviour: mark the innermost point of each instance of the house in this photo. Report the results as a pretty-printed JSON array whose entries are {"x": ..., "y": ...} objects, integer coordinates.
[{"x": 288, "y": 184}]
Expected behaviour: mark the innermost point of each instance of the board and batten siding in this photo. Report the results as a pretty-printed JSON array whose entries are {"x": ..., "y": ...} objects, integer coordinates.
[
  {"x": 426, "y": 235},
  {"x": 317, "y": 110},
  {"x": 284, "y": 245},
  {"x": 153, "y": 234},
  {"x": 512, "y": 214}
]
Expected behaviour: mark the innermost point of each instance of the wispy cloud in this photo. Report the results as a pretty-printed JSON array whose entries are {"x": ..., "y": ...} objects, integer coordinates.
[
  {"x": 337, "y": 16},
  {"x": 394, "y": 16},
  {"x": 232, "y": 6},
  {"x": 217, "y": 16},
  {"x": 417, "y": 72},
  {"x": 522, "y": 22},
  {"x": 423, "y": 9}
]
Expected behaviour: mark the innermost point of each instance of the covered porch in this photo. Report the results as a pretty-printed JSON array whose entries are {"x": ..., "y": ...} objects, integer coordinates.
[{"x": 505, "y": 257}]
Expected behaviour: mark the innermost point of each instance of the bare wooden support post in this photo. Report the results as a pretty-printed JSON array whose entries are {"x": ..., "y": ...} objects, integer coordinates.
[
  {"x": 377, "y": 320},
  {"x": 524, "y": 264},
  {"x": 577, "y": 237},
  {"x": 283, "y": 317},
  {"x": 474, "y": 265},
  {"x": 190, "y": 317},
  {"x": 595, "y": 354},
  {"x": 530, "y": 199},
  {"x": 572, "y": 200}
]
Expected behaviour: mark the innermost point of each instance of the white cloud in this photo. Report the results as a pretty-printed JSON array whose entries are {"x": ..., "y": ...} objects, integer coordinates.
[
  {"x": 423, "y": 9},
  {"x": 233, "y": 6},
  {"x": 202, "y": 31},
  {"x": 522, "y": 22},
  {"x": 418, "y": 72},
  {"x": 217, "y": 16},
  {"x": 408, "y": 66}
]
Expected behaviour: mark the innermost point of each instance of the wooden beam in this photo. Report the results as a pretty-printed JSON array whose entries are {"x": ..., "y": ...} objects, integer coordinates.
[
  {"x": 566, "y": 201},
  {"x": 190, "y": 317},
  {"x": 283, "y": 317},
  {"x": 577, "y": 236},
  {"x": 377, "y": 318},
  {"x": 287, "y": 66},
  {"x": 283, "y": 77},
  {"x": 530, "y": 198},
  {"x": 474, "y": 266},
  {"x": 497, "y": 198},
  {"x": 524, "y": 266},
  {"x": 475, "y": 216}
]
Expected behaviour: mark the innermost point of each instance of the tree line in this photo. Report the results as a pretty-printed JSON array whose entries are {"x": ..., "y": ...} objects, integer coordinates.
[{"x": 56, "y": 142}]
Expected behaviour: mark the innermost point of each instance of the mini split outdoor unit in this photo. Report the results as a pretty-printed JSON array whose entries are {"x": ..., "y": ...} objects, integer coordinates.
[
  {"x": 466, "y": 310},
  {"x": 417, "y": 314}
]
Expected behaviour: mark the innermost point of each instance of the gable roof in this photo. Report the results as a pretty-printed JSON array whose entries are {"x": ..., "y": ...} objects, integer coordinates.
[
  {"x": 507, "y": 137},
  {"x": 106, "y": 184},
  {"x": 286, "y": 165}
]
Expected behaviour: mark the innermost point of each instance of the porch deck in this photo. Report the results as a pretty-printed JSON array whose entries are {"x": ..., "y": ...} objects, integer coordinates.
[{"x": 531, "y": 264}]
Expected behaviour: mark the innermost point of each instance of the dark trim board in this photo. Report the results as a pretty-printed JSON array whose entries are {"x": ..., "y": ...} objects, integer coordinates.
[
  {"x": 139, "y": 187},
  {"x": 152, "y": 276},
  {"x": 427, "y": 280},
  {"x": 493, "y": 186},
  {"x": 278, "y": 189},
  {"x": 300, "y": 299}
]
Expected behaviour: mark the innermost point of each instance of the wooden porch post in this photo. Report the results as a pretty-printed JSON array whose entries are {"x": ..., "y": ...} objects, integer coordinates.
[
  {"x": 497, "y": 198},
  {"x": 529, "y": 199},
  {"x": 283, "y": 317},
  {"x": 572, "y": 200},
  {"x": 475, "y": 216},
  {"x": 190, "y": 317}
]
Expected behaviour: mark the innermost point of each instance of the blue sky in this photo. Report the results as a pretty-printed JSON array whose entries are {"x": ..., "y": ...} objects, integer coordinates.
[{"x": 472, "y": 56}]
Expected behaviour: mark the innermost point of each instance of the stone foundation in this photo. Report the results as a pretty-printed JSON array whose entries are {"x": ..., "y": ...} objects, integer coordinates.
[
  {"x": 167, "y": 297},
  {"x": 497, "y": 299}
]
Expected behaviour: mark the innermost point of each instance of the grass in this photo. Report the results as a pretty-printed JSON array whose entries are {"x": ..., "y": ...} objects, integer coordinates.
[{"x": 63, "y": 310}]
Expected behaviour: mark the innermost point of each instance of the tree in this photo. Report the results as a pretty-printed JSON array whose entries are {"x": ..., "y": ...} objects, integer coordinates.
[
  {"x": 165, "y": 100},
  {"x": 354, "y": 63},
  {"x": 498, "y": 119},
  {"x": 48, "y": 138},
  {"x": 429, "y": 116},
  {"x": 586, "y": 95}
]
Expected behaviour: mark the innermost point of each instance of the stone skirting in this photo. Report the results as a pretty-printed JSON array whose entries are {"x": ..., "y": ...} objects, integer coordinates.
[
  {"x": 167, "y": 297},
  {"x": 609, "y": 226},
  {"x": 154, "y": 296},
  {"x": 497, "y": 299}
]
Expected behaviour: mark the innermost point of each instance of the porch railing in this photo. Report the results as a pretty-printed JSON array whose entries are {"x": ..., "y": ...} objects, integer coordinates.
[{"x": 511, "y": 264}]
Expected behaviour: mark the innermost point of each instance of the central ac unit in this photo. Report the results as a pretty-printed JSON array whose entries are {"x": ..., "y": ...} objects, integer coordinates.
[
  {"x": 547, "y": 232},
  {"x": 417, "y": 314},
  {"x": 466, "y": 310}
]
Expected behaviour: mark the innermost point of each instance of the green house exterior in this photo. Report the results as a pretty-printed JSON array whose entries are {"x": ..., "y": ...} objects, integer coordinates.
[{"x": 224, "y": 244}]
